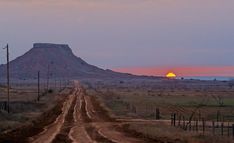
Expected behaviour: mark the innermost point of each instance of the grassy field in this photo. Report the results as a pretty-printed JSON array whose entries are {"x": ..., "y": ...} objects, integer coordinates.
[
  {"x": 24, "y": 107},
  {"x": 182, "y": 97},
  {"x": 139, "y": 98}
]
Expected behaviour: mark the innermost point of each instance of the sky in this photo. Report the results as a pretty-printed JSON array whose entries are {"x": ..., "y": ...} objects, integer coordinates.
[{"x": 152, "y": 37}]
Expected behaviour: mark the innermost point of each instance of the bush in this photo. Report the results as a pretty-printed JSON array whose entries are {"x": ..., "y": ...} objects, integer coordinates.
[{"x": 50, "y": 91}]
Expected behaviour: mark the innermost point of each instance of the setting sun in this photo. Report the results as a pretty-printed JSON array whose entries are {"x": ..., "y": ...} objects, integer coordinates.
[{"x": 171, "y": 75}]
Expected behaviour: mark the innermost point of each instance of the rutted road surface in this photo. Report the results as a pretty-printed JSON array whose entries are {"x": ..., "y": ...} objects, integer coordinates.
[{"x": 82, "y": 120}]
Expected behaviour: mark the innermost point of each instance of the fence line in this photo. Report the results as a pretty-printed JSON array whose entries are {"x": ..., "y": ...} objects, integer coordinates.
[{"x": 203, "y": 126}]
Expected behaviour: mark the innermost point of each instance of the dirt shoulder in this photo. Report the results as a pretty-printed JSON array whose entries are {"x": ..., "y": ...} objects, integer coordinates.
[{"x": 22, "y": 133}]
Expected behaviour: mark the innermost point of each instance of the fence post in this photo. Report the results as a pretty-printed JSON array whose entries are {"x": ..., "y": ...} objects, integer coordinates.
[
  {"x": 2, "y": 106},
  {"x": 171, "y": 119},
  {"x": 213, "y": 127},
  {"x": 222, "y": 128},
  {"x": 5, "y": 105},
  {"x": 190, "y": 126},
  {"x": 179, "y": 121},
  {"x": 38, "y": 85},
  {"x": 199, "y": 115},
  {"x": 183, "y": 123},
  {"x": 157, "y": 112},
  {"x": 174, "y": 119},
  {"x": 194, "y": 125},
  {"x": 218, "y": 116},
  {"x": 55, "y": 84},
  {"x": 203, "y": 126},
  {"x": 228, "y": 133},
  {"x": 135, "y": 110},
  {"x": 233, "y": 130},
  {"x": 197, "y": 126}
]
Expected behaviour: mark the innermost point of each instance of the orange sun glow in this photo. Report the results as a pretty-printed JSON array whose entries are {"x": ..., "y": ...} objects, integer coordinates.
[{"x": 171, "y": 75}]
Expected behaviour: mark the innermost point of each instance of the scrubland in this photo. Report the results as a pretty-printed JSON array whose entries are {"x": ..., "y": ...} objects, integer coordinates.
[
  {"x": 139, "y": 99},
  {"x": 24, "y": 106}
]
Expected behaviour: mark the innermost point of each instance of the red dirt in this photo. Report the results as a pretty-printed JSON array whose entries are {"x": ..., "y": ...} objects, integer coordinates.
[
  {"x": 21, "y": 134},
  {"x": 79, "y": 119}
]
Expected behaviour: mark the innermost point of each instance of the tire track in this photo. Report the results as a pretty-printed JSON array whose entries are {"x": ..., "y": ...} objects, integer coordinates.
[
  {"x": 78, "y": 133},
  {"x": 83, "y": 120},
  {"x": 50, "y": 132},
  {"x": 63, "y": 136},
  {"x": 91, "y": 130},
  {"x": 86, "y": 118}
]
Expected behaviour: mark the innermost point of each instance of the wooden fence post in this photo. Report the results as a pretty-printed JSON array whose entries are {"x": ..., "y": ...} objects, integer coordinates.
[
  {"x": 203, "y": 126},
  {"x": 157, "y": 112},
  {"x": 127, "y": 106},
  {"x": 171, "y": 119},
  {"x": 179, "y": 120},
  {"x": 5, "y": 105},
  {"x": 222, "y": 128},
  {"x": 213, "y": 127},
  {"x": 174, "y": 119},
  {"x": 194, "y": 125},
  {"x": 233, "y": 130},
  {"x": 190, "y": 126},
  {"x": 218, "y": 116},
  {"x": 38, "y": 85},
  {"x": 197, "y": 126},
  {"x": 183, "y": 123},
  {"x": 228, "y": 133},
  {"x": 199, "y": 115},
  {"x": 133, "y": 109}
]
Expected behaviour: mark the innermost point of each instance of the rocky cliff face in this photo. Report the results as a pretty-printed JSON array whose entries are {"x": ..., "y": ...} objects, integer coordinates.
[{"x": 57, "y": 60}]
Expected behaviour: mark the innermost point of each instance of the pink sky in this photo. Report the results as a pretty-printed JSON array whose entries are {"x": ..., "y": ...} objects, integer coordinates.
[
  {"x": 127, "y": 33},
  {"x": 181, "y": 71}
]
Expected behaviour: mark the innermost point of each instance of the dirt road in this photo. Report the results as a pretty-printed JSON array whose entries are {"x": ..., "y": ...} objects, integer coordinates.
[{"x": 82, "y": 120}]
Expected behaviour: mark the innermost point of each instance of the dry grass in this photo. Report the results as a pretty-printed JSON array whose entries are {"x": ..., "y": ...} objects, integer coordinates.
[
  {"x": 24, "y": 106},
  {"x": 163, "y": 132},
  {"x": 183, "y": 98},
  {"x": 140, "y": 98}
]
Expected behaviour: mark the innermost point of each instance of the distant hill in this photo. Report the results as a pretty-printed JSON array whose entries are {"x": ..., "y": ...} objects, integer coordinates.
[{"x": 58, "y": 61}]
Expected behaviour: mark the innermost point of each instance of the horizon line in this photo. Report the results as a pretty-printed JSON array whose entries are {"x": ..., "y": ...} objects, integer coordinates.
[{"x": 180, "y": 71}]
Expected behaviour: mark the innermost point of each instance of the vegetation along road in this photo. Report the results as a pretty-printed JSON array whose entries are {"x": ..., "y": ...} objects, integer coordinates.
[{"x": 83, "y": 120}]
